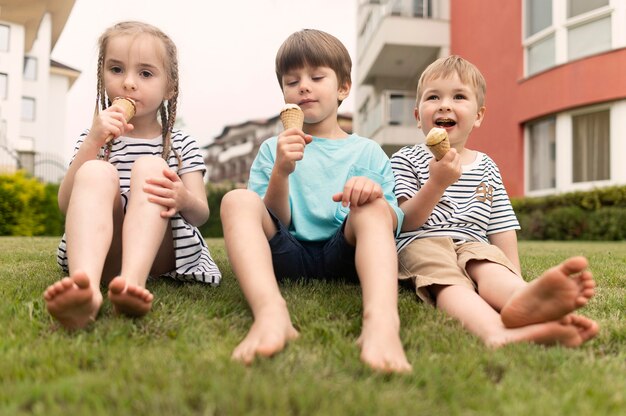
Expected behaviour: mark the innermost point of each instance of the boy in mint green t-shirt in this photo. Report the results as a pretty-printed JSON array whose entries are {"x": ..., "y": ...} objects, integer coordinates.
[{"x": 320, "y": 204}]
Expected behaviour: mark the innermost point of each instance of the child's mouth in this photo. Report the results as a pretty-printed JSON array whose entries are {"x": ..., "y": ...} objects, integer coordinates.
[{"x": 445, "y": 122}]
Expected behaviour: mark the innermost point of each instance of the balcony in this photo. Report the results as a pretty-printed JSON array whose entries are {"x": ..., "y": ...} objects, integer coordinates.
[
  {"x": 390, "y": 121},
  {"x": 398, "y": 38}
]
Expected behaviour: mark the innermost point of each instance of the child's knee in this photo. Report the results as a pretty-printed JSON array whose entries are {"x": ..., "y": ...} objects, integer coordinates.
[
  {"x": 236, "y": 199},
  {"x": 149, "y": 165},
  {"x": 97, "y": 171}
]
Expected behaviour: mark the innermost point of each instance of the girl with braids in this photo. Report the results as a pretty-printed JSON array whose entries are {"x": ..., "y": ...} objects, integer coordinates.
[{"x": 132, "y": 205}]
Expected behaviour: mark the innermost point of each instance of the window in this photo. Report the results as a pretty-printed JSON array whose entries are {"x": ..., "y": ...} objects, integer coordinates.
[
  {"x": 577, "y": 7},
  {"x": 5, "y": 31},
  {"x": 422, "y": 8},
  {"x": 589, "y": 38},
  {"x": 4, "y": 85},
  {"x": 30, "y": 68},
  {"x": 559, "y": 31},
  {"x": 28, "y": 109},
  {"x": 542, "y": 154},
  {"x": 401, "y": 109},
  {"x": 538, "y": 16},
  {"x": 591, "y": 146}
]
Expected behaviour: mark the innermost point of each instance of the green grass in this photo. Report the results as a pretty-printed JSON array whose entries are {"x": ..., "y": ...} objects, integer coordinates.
[{"x": 176, "y": 361}]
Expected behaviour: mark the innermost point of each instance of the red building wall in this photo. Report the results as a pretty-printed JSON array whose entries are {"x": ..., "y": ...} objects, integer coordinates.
[{"x": 489, "y": 34}]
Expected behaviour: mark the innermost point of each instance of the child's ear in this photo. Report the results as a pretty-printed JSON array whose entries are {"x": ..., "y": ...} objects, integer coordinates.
[
  {"x": 416, "y": 113},
  {"x": 480, "y": 116},
  {"x": 344, "y": 91}
]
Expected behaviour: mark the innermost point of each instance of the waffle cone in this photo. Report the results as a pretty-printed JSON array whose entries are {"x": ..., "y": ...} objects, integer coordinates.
[
  {"x": 438, "y": 143},
  {"x": 292, "y": 117},
  {"x": 127, "y": 104}
]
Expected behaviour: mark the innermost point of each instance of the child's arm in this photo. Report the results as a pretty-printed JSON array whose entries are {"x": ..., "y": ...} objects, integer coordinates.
[
  {"x": 507, "y": 242},
  {"x": 108, "y": 122},
  {"x": 418, "y": 208},
  {"x": 289, "y": 149},
  {"x": 185, "y": 194}
]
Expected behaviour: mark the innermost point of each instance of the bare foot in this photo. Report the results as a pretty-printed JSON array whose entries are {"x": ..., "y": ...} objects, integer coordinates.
[
  {"x": 571, "y": 332},
  {"x": 72, "y": 301},
  {"x": 381, "y": 347},
  {"x": 557, "y": 292},
  {"x": 587, "y": 328},
  {"x": 270, "y": 332},
  {"x": 129, "y": 299}
]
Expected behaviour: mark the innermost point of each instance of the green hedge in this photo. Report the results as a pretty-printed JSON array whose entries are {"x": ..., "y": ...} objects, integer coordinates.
[
  {"x": 28, "y": 207},
  {"x": 599, "y": 214},
  {"x": 213, "y": 227}
]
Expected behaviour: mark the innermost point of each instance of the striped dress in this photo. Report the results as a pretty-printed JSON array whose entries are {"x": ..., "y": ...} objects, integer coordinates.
[
  {"x": 193, "y": 260},
  {"x": 474, "y": 207}
]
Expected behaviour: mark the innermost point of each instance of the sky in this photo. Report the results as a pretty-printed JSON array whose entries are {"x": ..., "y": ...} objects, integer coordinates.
[{"x": 226, "y": 52}]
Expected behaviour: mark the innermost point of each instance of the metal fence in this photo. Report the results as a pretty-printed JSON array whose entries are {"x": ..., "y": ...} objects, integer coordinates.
[{"x": 47, "y": 167}]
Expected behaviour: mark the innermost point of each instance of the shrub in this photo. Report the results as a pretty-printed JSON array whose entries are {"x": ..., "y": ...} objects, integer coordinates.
[
  {"x": 599, "y": 214},
  {"x": 213, "y": 227},
  {"x": 21, "y": 202}
]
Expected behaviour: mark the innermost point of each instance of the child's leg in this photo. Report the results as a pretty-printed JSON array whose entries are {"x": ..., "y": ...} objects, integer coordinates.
[
  {"x": 247, "y": 230},
  {"x": 92, "y": 214},
  {"x": 482, "y": 320},
  {"x": 370, "y": 229},
  {"x": 556, "y": 293},
  {"x": 143, "y": 235}
]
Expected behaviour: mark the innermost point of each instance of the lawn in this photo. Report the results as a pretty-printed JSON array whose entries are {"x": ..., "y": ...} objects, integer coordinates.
[{"x": 176, "y": 361}]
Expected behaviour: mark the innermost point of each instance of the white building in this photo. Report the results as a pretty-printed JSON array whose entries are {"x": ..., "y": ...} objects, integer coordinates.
[
  {"x": 396, "y": 41},
  {"x": 33, "y": 88},
  {"x": 230, "y": 155}
]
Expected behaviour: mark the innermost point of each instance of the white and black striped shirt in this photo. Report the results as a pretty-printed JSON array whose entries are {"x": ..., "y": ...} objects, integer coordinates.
[
  {"x": 474, "y": 207},
  {"x": 193, "y": 260}
]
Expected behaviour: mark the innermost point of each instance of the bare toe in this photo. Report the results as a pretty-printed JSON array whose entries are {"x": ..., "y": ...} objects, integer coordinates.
[{"x": 129, "y": 299}]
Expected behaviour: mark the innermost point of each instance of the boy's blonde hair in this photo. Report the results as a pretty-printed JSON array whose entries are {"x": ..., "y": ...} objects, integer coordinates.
[
  {"x": 310, "y": 47},
  {"x": 170, "y": 63},
  {"x": 454, "y": 64}
]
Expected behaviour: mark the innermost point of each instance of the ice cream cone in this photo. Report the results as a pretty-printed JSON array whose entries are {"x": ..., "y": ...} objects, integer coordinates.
[
  {"x": 292, "y": 116},
  {"x": 128, "y": 106},
  {"x": 438, "y": 143}
]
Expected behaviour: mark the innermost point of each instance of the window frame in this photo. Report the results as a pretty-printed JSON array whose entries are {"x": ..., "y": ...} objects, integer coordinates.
[{"x": 560, "y": 27}]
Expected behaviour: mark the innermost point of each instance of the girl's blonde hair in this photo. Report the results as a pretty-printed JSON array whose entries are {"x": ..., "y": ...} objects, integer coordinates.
[
  {"x": 454, "y": 64},
  {"x": 170, "y": 62}
]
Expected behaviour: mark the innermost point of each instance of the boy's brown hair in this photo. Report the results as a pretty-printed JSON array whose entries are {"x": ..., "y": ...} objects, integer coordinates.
[
  {"x": 310, "y": 47},
  {"x": 446, "y": 67}
]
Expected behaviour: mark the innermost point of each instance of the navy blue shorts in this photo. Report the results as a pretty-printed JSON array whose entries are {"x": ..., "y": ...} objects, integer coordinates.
[{"x": 330, "y": 259}]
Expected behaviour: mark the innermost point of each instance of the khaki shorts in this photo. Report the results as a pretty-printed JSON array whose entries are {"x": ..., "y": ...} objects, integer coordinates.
[{"x": 440, "y": 261}]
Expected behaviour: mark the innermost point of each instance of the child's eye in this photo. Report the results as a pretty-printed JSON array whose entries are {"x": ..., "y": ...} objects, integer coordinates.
[
  {"x": 317, "y": 77},
  {"x": 116, "y": 69},
  {"x": 459, "y": 97},
  {"x": 432, "y": 97},
  {"x": 291, "y": 83},
  {"x": 145, "y": 74}
]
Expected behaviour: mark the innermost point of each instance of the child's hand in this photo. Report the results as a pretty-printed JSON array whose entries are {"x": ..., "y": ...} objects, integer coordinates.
[
  {"x": 446, "y": 171},
  {"x": 289, "y": 149},
  {"x": 109, "y": 123},
  {"x": 167, "y": 191},
  {"x": 358, "y": 191}
]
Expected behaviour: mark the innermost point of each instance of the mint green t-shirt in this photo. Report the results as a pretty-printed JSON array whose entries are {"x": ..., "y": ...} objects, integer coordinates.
[{"x": 325, "y": 168}]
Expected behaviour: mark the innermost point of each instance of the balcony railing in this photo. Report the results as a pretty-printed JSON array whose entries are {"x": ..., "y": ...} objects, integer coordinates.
[{"x": 394, "y": 108}]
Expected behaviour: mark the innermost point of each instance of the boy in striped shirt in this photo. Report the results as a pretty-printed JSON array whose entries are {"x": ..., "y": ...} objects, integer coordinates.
[{"x": 458, "y": 243}]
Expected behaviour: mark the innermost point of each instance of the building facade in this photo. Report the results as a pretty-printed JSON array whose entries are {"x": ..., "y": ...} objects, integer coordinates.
[
  {"x": 33, "y": 87},
  {"x": 230, "y": 155},
  {"x": 556, "y": 83}
]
